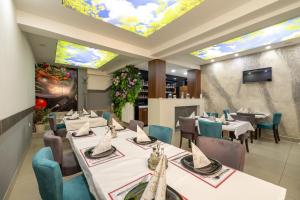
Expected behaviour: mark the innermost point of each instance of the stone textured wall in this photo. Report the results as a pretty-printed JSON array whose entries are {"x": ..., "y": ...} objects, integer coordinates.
[{"x": 222, "y": 86}]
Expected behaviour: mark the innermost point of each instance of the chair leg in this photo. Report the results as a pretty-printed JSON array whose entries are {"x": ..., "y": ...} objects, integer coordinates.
[
  {"x": 277, "y": 132},
  {"x": 247, "y": 146},
  {"x": 259, "y": 132},
  {"x": 242, "y": 141},
  {"x": 180, "y": 141},
  {"x": 251, "y": 136},
  {"x": 275, "y": 136},
  {"x": 255, "y": 137},
  {"x": 190, "y": 145}
]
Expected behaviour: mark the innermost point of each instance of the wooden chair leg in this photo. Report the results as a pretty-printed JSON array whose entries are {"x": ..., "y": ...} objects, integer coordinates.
[
  {"x": 190, "y": 145},
  {"x": 259, "y": 132},
  {"x": 255, "y": 134},
  {"x": 247, "y": 145},
  {"x": 180, "y": 141},
  {"x": 251, "y": 136},
  {"x": 277, "y": 132},
  {"x": 275, "y": 136}
]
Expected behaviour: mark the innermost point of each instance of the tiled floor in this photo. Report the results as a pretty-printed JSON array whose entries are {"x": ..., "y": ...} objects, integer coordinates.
[{"x": 276, "y": 163}]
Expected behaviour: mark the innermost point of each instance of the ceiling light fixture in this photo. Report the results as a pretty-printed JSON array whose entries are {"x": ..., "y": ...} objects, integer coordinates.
[
  {"x": 173, "y": 70},
  {"x": 268, "y": 47},
  {"x": 284, "y": 31},
  {"x": 212, "y": 60},
  {"x": 142, "y": 17},
  {"x": 81, "y": 56},
  {"x": 185, "y": 73},
  {"x": 236, "y": 55}
]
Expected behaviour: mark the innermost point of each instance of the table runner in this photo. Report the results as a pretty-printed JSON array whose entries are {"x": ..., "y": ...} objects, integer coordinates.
[{"x": 109, "y": 176}]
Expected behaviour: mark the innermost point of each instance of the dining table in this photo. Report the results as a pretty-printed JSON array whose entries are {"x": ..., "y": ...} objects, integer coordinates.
[
  {"x": 257, "y": 115},
  {"x": 74, "y": 124},
  {"x": 112, "y": 177}
]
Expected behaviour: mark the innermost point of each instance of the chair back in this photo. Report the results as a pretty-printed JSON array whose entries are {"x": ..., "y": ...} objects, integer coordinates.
[
  {"x": 48, "y": 175},
  {"x": 187, "y": 125},
  {"x": 99, "y": 112},
  {"x": 134, "y": 123},
  {"x": 162, "y": 133},
  {"x": 106, "y": 115},
  {"x": 277, "y": 118},
  {"x": 56, "y": 145},
  {"x": 213, "y": 114},
  {"x": 52, "y": 122},
  {"x": 226, "y": 112},
  {"x": 231, "y": 154},
  {"x": 210, "y": 129}
]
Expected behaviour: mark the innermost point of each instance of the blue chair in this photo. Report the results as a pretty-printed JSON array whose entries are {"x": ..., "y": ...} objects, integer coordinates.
[
  {"x": 271, "y": 125},
  {"x": 50, "y": 181},
  {"x": 226, "y": 112},
  {"x": 213, "y": 114},
  {"x": 210, "y": 129},
  {"x": 106, "y": 115},
  {"x": 162, "y": 133}
]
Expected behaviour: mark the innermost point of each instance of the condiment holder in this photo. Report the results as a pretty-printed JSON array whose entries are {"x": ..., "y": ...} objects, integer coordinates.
[{"x": 155, "y": 157}]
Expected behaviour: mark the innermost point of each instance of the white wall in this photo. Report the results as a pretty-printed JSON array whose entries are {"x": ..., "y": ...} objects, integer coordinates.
[
  {"x": 16, "y": 66},
  {"x": 98, "y": 80}
]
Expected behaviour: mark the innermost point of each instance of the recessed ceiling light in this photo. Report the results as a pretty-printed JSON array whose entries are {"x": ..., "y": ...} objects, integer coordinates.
[
  {"x": 212, "y": 60},
  {"x": 174, "y": 78},
  {"x": 142, "y": 17},
  {"x": 77, "y": 55},
  {"x": 268, "y": 47},
  {"x": 236, "y": 55},
  {"x": 281, "y": 32},
  {"x": 173, "y": 70},
  {"x": 185, "y": 73}
]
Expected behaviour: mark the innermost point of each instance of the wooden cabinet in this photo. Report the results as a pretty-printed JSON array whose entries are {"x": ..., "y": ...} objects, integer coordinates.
[{"x": 143, "y": 115}]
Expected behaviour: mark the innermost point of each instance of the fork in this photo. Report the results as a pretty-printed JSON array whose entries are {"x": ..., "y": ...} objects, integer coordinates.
[{"x": 220, "y": 174}]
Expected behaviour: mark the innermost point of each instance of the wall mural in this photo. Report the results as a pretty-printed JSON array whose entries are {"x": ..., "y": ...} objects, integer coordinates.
[
  {"x": 277, "y": 33},
  {"x": 55, "y": 88},
  {"x": 142, "y": 17},
  {"x": 77, "y": 55}
]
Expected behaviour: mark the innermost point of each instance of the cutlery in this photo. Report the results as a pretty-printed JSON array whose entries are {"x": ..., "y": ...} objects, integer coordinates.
[{"x": 220, "y": 174}]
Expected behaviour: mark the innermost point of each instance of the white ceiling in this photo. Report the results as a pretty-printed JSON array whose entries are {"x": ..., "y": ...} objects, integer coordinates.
[{"x": 212, "y": 22}]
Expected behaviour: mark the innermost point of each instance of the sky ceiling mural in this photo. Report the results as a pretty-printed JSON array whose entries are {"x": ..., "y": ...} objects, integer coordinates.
[
  {"x": 143, "y": 17},
  {"x": 77, "y": 55},
  {"x": 277, "y": 33}
]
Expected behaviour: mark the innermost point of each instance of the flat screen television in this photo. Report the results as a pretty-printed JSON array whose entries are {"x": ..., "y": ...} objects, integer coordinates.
[{"x": 257, "y": 75}]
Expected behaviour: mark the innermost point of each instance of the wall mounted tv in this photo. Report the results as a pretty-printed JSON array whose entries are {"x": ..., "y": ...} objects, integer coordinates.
[{"x": 257, "y": 75}]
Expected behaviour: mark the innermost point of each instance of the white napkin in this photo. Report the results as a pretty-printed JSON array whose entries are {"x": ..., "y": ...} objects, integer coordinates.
[
  {"x": 246, "y": 110},
  {"x": 177, "y": 123},
  {"x": 157, "y": 186},
  {"x": 85, "y": 112},
  {"x": 199, "y": 159},
  {"x": 205, "y": 114},
  {"x": 70, "y": 112},
  {"x": 223, "y": 119},
  {"x": 192, "y": 115},
  {"x": 74, "y": 116},
  {"x": 84, "y": 130},
  {"x": 116, "y": 125},
  {"x": 93, "y": 114},
  {"x": 103, "y": 145},
  {"x": 229, "y": 117},
  {"x": 241, "y": 110},
  {"x": 141, "y": 136}
]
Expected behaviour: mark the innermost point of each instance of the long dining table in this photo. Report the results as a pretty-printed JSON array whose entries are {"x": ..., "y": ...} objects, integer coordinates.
[{"x": 113, "y": 176}]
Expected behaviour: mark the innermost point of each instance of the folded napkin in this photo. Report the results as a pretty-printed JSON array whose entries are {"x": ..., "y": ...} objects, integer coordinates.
[
  {"x": 116, "y": 125},
  {"x": 157, "y": 186},
  {"x": 199, "y": 159},
  {"x": 241, "y": 110},
  {"x": 84, "y": 130},
  {"x": 74, "y": 116},
  {"x": 205, "y": 114},
  {"x": 70, "y": 112},
  {"x": 229, "y": 117},
  {"x": 192, "y": 115},
  {"x": 246, "y": 110},
  {"x": 177, "y": 123},
  {"x": 141, "y": 136},
  {"x": 103, "y": 145},
  {"x": 85, "y": 112},
  {"x": 93, "y": 114}
]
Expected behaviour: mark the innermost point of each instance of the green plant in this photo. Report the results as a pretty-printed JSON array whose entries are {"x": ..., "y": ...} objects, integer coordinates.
[
  {"x": 126, "y": 85},
  {"x": 41, "y": 115}
]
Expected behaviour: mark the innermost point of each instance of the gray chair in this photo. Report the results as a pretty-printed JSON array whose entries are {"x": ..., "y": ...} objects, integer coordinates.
[
  {"x": 66, "y": 160},
  {"x": 228, "y": 153},
  {"x": 252, "y": 121},
  {"x": 134, "y": 123},
  {"x": 244, "y": 137},
  {"x": 188, "y": 130},
  {"x": 62, "y": 132}
]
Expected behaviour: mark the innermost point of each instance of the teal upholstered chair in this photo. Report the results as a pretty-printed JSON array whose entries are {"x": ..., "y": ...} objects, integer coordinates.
[
  {"x": 50, "y": 181},
  {"x": 210, "y": 129},
  {"x": 106, "y": 115},
  {"x": 274, "y": 125},
  {"x": 162, "y": 133},
  {"x": 213, "y": 114},
  {"x": 226, "y": 112}
]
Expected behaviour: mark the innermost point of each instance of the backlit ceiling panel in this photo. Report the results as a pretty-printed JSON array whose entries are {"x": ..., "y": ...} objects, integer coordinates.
[
  {"x": 81, "y": 56},
  {"x": 277, "y": 33},
  {"x": 143, "y": 17}
]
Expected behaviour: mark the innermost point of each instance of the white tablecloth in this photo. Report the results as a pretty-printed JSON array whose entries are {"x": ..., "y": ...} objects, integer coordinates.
[
  {"x": 72, "y": 125},
  {"x": 114, "y": 174}
]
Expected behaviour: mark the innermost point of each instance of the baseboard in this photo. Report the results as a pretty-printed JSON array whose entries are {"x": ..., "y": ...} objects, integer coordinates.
[{"x": 13, "y": 180}]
